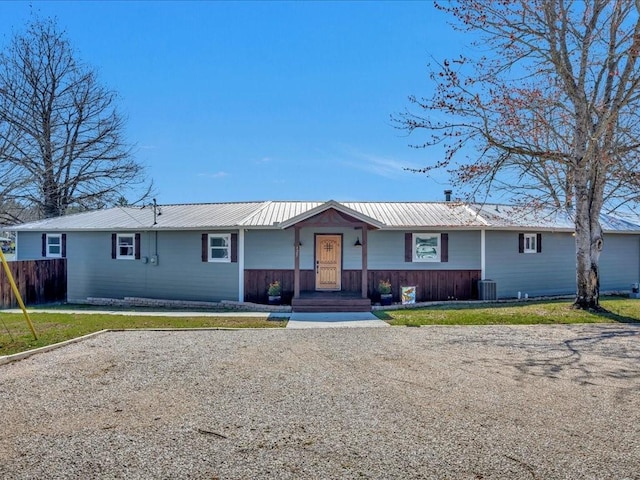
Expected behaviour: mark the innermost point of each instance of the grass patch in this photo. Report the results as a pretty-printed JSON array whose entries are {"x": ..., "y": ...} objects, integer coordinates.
[
  {"x": 56, "y": 327},
  {"x": 15, "y": 335},
  {"x": 65, "y": 307},
  {"x": 621, "y": 310}
]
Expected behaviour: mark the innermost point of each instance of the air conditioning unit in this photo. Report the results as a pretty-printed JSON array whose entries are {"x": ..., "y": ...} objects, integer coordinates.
[{"x": 487, "y": 290}]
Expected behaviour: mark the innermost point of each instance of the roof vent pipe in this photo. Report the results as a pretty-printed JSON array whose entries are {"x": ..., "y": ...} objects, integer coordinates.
[{"x": 447, "y": 195}]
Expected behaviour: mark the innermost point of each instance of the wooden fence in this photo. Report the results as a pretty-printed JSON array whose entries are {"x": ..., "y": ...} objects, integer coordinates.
[{"x": 38, "y": 281}]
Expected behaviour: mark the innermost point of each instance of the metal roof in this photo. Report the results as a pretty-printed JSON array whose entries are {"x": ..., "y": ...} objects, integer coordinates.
[
  {"x": 273, "y": 213},
  {"x": 419, "y": 214},
  {"x": 280, "y": 214},
  {"x": 510, "y": 217},
  {"x": 386, "y": 214},
  {"x": 171, "y": 217}
]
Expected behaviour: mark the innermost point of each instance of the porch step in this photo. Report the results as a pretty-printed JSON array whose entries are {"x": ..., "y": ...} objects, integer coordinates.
[{"x": 330, "y": 303}]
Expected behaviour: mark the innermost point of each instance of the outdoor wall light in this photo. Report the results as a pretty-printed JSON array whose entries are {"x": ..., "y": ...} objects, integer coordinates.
[{"x": 357, "y": 244}]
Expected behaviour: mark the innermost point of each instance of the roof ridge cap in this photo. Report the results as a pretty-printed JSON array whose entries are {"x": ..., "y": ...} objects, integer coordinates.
[
  {"x": 477, "y": 215},
  {"x": 188, "y": 204},
  {"x": 255, "y": 212}
]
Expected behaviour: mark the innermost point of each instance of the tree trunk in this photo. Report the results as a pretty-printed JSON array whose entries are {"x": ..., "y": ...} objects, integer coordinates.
[
  {"x": 50, "y": 203},
  {"x": 589, "y": 243}
]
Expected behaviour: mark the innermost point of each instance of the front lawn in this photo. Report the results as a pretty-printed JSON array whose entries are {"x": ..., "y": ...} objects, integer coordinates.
[
  {"x": 56, "y": 327},
  {"x": 15, "y": 335},
  {"x": 521, "y": 313}
]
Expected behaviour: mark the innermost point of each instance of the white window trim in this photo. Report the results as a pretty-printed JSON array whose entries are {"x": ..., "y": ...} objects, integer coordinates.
[
  {"x": 414, "y": 254},
  {"x": 54, "y": 235},
  {"x": 533, "y": 240},
  {"x": 133, "y": 249},
  {"x": 226, "y": 236}
]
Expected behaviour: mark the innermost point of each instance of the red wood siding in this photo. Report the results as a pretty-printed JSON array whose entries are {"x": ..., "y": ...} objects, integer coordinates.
[{"x": 432, "y": 284}]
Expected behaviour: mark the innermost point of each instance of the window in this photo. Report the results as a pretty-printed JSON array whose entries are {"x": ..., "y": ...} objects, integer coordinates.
[
  {"x": 54, "y": 245},
  {"x": 219, "y": 247},
  {"x": 530, "y": 242},
  {"x": 126, "y": 246},
  {"x": 426, "y": 247}
]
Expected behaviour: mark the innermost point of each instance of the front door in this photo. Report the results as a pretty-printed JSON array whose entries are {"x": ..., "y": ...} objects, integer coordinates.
[{"x": 328, "y": 262}]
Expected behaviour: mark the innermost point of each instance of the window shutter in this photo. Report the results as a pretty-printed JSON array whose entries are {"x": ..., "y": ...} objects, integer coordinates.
[
  {"x": 234, "y": 248},
  {"x": 538, "y": 242},
  {"x": 444, "y": 247},
  {"x": 64, "y": 245},
  {"x": 408, "y": 253},
  {"x": 114, "y": 246},
  {"x": 521, "y": 242},
  {"x": 137, "y": 246},
  {"x": 44, "y": 244},
  {"x": 205, "y": 241}
]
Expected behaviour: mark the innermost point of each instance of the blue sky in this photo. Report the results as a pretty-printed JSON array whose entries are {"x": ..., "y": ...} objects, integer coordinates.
[{"x": 233, "y": 101}]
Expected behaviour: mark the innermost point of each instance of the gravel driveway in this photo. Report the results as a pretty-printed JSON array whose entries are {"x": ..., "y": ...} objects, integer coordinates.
[{"x": 532, "y": 402}]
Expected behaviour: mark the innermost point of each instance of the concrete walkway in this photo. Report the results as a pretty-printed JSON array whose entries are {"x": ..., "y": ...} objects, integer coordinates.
[{"x": 335, "y": 320}]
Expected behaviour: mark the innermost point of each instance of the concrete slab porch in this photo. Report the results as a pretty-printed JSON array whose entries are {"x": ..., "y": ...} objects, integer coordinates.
[{"x": 334, "y": 320}]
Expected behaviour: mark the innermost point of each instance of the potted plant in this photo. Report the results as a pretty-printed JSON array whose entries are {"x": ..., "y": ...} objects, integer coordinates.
[
  {"x": 275, "y": 293},
  {"x": 384, "y": 288}
]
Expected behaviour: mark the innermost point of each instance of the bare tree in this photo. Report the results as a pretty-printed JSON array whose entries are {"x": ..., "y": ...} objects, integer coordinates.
[
  {"x": 548, "y": 113},
  {"x": 61, "y": 137}
]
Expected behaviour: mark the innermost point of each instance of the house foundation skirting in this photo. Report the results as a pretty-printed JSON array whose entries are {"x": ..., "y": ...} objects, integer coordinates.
[{"x": 433, "y": 285}]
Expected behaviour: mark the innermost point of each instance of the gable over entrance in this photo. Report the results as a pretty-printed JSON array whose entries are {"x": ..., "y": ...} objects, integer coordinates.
[
  {"x": 330, "y": 214},
  {"x": 331, "y": 218}
]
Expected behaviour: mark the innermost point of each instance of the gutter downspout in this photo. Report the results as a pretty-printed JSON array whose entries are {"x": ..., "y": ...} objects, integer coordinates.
[
  {"x": 241, "y": 265},
  {"x": 483, "y": 255}
]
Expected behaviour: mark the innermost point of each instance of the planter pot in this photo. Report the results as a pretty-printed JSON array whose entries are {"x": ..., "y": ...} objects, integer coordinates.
[
  {"x": 275, "y": 299},
  {"x": 386, "y": 299}
]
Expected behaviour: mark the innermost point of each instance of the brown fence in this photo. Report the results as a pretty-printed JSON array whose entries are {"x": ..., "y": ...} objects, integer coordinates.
[{"x": 38, "y": 281}]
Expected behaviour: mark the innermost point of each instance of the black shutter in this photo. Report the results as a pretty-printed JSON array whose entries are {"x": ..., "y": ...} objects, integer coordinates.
[
  {"x": 137, "y": 246},
  {"x": 63, "y": 240},
  {"x": 205, "y": 246},
  {"x": 521, "y": 242},
  {"x": 114, "y": 245},
  {"x": 234, "y": 248},
  {"x": 538, "y": 242},
  {"x": 444, "y": 247},
  {"x": 44, "y": 244},
  {"x": 408, "y": 251}
]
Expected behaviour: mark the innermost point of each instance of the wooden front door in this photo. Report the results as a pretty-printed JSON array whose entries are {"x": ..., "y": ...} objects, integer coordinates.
[{"x": 328, "y": 262}]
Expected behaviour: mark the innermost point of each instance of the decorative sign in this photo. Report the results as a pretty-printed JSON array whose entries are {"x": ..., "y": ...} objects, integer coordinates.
[{"x": 408, "y": 295}]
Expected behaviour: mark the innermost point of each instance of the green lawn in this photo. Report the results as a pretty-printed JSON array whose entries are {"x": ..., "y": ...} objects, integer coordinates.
[
  {"x": 56, "y": 327},
  {"x": 15, "y": 335},
  {"x": 523, "y": 313}
]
